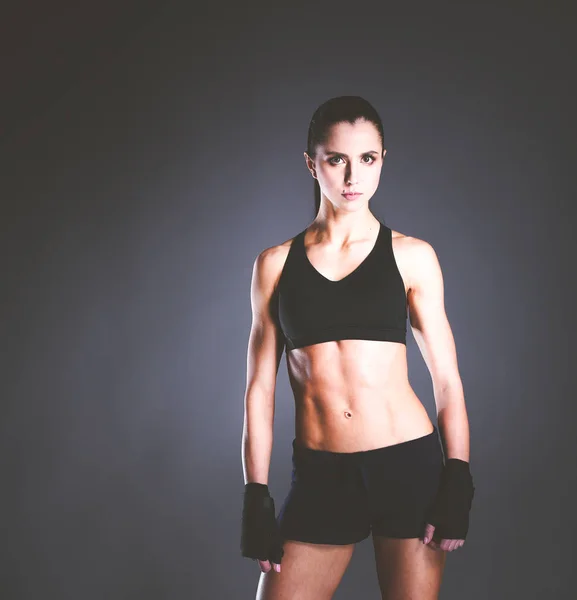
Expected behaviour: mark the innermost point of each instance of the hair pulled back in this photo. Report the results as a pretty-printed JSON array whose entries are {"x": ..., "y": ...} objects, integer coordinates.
[{"x": 341, "y": 109}]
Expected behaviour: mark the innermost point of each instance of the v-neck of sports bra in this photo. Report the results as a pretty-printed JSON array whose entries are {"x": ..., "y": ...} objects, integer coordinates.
[{"x": 355, "y": 270}]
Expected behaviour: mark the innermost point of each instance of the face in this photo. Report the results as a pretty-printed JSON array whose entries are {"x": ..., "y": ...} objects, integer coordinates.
[{"x": 350, "y": 160}]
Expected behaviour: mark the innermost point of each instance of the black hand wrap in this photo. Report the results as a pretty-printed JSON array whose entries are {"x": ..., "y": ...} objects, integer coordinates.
[
  {"x": 449, "y": 513},
  {"x": 260, "y": 536}
]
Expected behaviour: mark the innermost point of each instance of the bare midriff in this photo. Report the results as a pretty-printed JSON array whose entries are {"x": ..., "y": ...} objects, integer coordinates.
[{"x": 354, "y": 395}]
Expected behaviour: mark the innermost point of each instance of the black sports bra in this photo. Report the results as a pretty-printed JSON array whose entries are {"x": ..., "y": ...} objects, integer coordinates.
[{"x": 367, "y": 304}]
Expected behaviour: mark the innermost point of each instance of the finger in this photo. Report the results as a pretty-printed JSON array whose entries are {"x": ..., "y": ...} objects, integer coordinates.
[
  {"x": 445, "y": 545},
  {"x": 264, "y": 565},
  {"x": 428, "y": 535},
  {"x": 453, "y": 545},
  {"x": 276, "y": 567}
]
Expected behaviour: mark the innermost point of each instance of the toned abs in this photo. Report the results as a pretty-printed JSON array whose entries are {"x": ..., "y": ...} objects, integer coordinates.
[{"x": 354, "y": 395}]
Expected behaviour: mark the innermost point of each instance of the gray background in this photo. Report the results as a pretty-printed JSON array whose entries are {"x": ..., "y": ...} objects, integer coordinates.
[{"x": 149, "y": 151}]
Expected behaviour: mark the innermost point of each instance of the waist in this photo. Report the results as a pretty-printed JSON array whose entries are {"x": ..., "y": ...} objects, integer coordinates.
[
  {"x": 424, "y": 441},
  {"x": 373, "y": 419}
]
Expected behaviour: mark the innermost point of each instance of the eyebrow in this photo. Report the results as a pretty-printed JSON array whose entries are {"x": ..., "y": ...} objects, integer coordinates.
[{"x": 343, "y": 154}]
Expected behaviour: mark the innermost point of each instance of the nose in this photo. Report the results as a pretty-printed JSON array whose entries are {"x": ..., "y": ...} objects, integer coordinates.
[{"x": 352, "y": 179}]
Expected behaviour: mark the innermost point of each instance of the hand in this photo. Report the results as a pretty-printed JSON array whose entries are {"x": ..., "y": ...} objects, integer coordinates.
[
  {"x": 444, "y": 544},
  {"x": 260, "y": 535},
  {"x": 449, "y": 513}
]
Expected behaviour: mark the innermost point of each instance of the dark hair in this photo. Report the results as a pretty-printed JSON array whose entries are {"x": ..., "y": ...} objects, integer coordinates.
[{"x": 338, "y": 110}]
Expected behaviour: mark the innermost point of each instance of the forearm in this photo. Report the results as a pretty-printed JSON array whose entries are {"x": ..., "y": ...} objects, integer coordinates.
[
  {"x": 257, "y": 438},
  {"x": 453, "y": 422}
]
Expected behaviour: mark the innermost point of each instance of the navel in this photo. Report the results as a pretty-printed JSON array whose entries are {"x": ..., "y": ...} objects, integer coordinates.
[{"x": 348, "y": 414}]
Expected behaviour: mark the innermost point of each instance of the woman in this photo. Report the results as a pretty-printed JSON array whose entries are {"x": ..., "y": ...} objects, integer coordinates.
[{"x": 366, "y": 457}]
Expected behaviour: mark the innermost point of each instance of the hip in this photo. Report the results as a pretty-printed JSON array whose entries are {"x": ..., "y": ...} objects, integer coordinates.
[{"x": 397, "y": 466}]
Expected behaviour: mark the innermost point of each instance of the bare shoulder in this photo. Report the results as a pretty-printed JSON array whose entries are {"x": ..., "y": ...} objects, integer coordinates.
[
  {"x": 269, "y": 264},
  {"x": 415, "y": 257}
]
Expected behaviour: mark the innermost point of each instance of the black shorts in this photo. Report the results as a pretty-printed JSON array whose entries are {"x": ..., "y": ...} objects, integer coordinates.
[{"x": 340, "y": 497}]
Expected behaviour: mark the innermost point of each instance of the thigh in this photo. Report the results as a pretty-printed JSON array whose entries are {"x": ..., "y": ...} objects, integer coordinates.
[
  {"x": 308, "y": 572},
  {"x": 407, "y": 568}
]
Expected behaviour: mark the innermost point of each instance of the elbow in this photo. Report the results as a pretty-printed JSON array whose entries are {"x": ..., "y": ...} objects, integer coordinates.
[{"x": 446, "y": 380}]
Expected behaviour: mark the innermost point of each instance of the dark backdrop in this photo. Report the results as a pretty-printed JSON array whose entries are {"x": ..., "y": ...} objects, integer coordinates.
[{"x": 149, "y": 151}]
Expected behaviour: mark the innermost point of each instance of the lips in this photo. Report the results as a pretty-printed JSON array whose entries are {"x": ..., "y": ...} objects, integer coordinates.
[{"x": 352, "y": 195}]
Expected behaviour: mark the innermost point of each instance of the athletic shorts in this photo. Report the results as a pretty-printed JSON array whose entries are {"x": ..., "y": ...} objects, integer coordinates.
[{"x": 341, "y": 497}]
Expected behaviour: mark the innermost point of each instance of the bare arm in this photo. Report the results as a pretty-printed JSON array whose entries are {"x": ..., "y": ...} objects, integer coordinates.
[
  {"x": 265, "y": 349},
  {"x": 434, "y": 337}
]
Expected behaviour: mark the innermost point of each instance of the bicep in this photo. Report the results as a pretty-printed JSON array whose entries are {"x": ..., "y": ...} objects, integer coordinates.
[
  {"x": 428, "y": 318},
  {"x": 266, "y": 343}
]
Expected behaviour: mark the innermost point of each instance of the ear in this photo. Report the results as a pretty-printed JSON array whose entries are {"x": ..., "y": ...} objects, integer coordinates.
[
  {"x": 310, "y": 165},
  {"x": 384, "y": 152}
]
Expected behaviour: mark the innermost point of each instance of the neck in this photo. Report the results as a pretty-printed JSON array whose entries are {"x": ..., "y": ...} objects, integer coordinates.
[{"x": 333, "y": 225}]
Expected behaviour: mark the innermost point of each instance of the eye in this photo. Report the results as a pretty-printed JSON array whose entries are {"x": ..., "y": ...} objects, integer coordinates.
[{"x": 370, "y": 156}]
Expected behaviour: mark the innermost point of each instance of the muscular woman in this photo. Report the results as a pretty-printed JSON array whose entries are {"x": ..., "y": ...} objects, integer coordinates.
[{"x": 366, "y": 458}]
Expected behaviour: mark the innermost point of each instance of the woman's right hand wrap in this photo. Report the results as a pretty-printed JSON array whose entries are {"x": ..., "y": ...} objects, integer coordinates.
[{"x": 260, "y": 535}]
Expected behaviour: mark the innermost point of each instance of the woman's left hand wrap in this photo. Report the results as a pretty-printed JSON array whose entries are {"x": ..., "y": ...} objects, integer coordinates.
[{"x": 449, "y": 513}]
